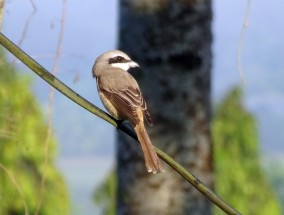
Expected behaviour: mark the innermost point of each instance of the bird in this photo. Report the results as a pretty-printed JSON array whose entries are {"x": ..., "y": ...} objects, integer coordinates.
[{"x": 123, "y": 99}]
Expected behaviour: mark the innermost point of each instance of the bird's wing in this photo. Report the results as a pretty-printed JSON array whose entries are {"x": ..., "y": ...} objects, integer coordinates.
[
  {"x": 135, "y": 97},
  {"x": 127, "y": 99}
]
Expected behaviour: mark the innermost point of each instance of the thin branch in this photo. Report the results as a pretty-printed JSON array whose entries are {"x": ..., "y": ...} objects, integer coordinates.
[
  {"x": 57, "y": 84},
  {"x": 26, "y": 26},
  {"x": 241, "y": 40},
  {"x": 50, "y": 106},
  {"x": 13, "y": 180},
  {"x": 1, "y": 13}
]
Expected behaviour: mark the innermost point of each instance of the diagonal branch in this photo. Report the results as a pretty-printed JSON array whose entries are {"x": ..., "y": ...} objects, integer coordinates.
[{"x": 65, "y": 90}]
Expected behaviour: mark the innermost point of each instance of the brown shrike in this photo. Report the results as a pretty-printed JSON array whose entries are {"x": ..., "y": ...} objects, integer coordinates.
[{"x": 123, "y": 99}]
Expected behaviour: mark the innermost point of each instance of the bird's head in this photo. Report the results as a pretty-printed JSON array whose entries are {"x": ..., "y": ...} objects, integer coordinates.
[{"x": 114, "y": 58}]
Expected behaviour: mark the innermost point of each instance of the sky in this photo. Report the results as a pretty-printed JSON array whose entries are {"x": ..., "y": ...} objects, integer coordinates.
[{"x": 86, "y": 142}]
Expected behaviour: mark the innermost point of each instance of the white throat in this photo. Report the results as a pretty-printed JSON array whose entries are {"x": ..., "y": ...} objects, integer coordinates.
[{"x": 125, "y": 66}]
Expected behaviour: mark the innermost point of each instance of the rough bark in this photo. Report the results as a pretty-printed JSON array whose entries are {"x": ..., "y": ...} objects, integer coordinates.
[{"x": 171, "y": 40}]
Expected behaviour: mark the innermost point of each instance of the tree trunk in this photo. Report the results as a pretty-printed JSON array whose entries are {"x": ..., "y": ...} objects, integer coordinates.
[{"x": 171, "y": 40}]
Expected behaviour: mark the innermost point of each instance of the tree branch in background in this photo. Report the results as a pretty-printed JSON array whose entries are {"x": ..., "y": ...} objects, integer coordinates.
[
  {"x": 241, "y": 41},
  {"x": 8, "y": 134},
  {"x": 13, "y": 180},
  {"x": 1, "y": 13},
  {"x": 50, "y": 104},
  {"x": 26, "y": 26},
  {"x": 65, "y": 90}
]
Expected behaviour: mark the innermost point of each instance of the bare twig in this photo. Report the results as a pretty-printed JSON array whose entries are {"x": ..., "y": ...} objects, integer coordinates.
[
  {"x": 49, "y": 78},
  {"x": 241, "y": 40},
  {"x": 50, "y": 105},
  {"x": 1, "y": 12},
  {"x": 7, "y": 134},
  {"x": 26, "y": 26},
  {"x": 13, "y": 180}
]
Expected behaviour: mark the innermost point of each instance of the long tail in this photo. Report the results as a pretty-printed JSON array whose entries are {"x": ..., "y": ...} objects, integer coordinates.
[{"x": 152, "y": 160}]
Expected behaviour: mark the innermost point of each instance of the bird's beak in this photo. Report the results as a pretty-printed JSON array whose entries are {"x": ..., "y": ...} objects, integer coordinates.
[{"x": 133, "y": 64}]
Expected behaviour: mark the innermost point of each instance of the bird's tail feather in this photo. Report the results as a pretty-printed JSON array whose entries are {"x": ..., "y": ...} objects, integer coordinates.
[{"x": 152, "y": 160}]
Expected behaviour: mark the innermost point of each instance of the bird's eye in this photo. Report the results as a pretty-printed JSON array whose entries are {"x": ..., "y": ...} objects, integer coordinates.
[{"x": 119, "y": 58}]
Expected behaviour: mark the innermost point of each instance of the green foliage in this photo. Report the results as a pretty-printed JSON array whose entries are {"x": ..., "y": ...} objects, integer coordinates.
[
  {"x": 105, "y": 195},
  {"x": 22, "y": 138},
  {"x": 239, "y": 178},
  {"x": 275, "y": 170}
]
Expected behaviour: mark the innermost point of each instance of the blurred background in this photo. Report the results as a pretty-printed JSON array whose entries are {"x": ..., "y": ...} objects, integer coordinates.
[{"x": 85, "y": 144}]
